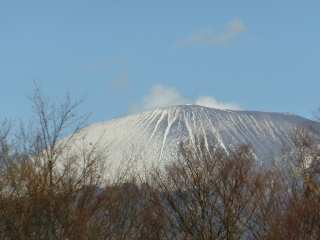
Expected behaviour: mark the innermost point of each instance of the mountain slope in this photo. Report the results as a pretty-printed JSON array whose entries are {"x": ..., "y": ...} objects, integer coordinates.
[{"x": 154, "y": 135}]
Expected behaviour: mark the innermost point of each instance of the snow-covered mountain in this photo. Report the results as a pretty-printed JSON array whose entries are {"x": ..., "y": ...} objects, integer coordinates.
[{"x": 153, "y": 135}]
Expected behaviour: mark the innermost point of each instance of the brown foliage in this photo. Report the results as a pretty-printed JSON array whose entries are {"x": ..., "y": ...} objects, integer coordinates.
[
  {"x": 212, "y": 194},
  {"x": 50, "y": 191}
]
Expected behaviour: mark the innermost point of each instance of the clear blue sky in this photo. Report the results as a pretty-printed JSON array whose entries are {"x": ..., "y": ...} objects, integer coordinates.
[{"x": 131, "y": 56}]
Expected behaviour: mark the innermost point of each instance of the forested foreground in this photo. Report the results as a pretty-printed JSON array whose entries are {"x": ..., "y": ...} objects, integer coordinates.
[{"x": 207, "y": 193}]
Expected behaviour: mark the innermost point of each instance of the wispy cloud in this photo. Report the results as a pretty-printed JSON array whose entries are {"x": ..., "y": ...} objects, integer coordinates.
[
  {"x": 105, "y": 64},
  {"x": 165, "y": 96},
  {"x": 232, "y": 31},
  {"x": 207, "y": 36},
  {"x": 117, "y": 60},
  {"x": 120, "y": 82}
]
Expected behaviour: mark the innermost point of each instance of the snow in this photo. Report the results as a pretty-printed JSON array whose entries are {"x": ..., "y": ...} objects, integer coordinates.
[{"x": 154, "y": 135}]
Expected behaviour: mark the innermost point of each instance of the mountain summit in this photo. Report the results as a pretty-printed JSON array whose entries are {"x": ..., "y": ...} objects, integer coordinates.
[{"x": 154, "y": 135}]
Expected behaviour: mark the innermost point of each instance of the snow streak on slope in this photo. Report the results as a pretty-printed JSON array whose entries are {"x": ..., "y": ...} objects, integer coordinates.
[{"x": 154, "y": 134}]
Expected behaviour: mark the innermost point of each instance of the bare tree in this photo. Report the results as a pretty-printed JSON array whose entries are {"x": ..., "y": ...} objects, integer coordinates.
[
  {"x": 55, "y": 185},
  {"x": 46, "y": 185},
  {"x": 213, "y": 194},
  {"x": 300, "y": 217}
]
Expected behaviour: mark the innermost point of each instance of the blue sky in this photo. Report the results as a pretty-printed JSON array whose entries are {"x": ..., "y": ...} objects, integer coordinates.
[{"x": 131, "y": 56}]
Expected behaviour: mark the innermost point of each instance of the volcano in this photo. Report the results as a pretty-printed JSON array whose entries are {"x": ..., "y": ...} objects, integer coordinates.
[{"x": 153, "y": 136}]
